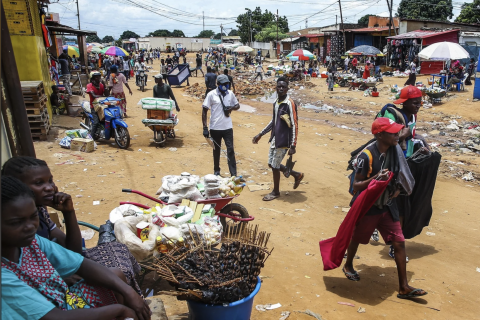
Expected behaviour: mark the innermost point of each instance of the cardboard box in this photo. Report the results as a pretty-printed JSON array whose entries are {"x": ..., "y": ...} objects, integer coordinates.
[{"x": 83, "y": 145}]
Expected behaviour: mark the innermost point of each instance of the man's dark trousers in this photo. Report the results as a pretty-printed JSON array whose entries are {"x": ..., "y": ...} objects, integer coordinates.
[{"x": 227, "y": 136}]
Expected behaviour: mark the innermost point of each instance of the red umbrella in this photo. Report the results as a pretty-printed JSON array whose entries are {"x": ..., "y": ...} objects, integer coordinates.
[{"x": 333, "y": 249}]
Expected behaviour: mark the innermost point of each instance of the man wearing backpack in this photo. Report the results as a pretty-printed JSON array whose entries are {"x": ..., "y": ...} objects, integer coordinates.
[{"x": 374, "y": 163}]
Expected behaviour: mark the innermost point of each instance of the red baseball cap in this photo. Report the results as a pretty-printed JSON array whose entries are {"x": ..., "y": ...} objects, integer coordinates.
[
  {"x": 409, "y": 92},
  {"x": 385, "y": 125}
]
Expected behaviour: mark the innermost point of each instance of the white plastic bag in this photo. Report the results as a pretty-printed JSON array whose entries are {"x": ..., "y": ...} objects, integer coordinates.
[
  {"x": 126, "y": 233},
  {"x": 124, "y": 210},
  {"x": 177, "y": 188},
  {"x": 176, "y": 222}
]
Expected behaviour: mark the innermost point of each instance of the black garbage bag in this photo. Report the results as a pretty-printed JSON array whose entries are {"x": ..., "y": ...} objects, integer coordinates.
[
  {"x": 106, "y": 233},
  {"x": 417, "y": 208}
]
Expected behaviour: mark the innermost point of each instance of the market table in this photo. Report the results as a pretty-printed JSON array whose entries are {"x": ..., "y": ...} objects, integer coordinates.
[{"x": 443, "y": 80}]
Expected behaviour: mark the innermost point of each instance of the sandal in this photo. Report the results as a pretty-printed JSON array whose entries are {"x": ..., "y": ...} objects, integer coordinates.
[
  {"x": 270, "y": 197},
  {"x": 297, "y": 181},
  {"x": 412, "y": 294},
  {"x": 351, "y": 276}
]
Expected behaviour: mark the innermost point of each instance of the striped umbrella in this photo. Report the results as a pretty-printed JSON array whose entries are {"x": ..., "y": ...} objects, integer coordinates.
[
  {"x": 96, "y": 50},
  {"x": 114, "y": 51},
  {"x": 300, "y": 54},
  {"x": 72, "y": 51}
]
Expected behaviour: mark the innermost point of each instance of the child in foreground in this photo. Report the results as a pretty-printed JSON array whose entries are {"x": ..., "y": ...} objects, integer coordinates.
[{"x": 33, "y": 267}]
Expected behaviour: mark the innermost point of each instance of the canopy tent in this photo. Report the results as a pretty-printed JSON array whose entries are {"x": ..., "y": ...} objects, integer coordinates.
[
  {"x": 444, "y": 51},
  {"x": 364, "y": 50},
  {"x": 243, "y": 49}
]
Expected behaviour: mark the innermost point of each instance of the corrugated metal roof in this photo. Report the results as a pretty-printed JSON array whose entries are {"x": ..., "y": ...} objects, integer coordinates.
[
  {"x": 315, "y": 35},
  {"x": 372, "y": 29},
  {"x": 422, "y": 34}
]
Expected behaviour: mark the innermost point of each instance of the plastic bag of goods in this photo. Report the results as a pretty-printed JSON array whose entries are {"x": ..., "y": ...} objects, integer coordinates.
[
  {"x": 65, "y": 142},
  {"x": 212, "y": 230},
  {"x": 189, "y": 229},
  {"x": 212, "y": 186},
  {"x": 124, "y": 210},
  {"x": 230, "y": 187},
  {"x": 177, "y": 188},
  {"x": 126, "y": 233},
  {"x": 174, "y": 216}
]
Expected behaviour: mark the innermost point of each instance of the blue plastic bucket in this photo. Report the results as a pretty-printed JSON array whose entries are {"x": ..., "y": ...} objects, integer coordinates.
[{"x": 238, "y": 310}]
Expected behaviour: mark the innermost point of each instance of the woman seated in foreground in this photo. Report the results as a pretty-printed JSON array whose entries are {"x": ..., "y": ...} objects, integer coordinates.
[
  {"x": 33, "y": 267},
  {"x": 37, "y": 176}
]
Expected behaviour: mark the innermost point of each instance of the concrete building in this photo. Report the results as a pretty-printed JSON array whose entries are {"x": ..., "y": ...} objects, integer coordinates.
[
  {"x": 170, "y": 43},
  {"x": 407, "y": 25}
]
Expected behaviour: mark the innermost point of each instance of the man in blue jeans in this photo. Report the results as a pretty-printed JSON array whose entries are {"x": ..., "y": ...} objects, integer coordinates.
[{"x": 221, "y": 102}]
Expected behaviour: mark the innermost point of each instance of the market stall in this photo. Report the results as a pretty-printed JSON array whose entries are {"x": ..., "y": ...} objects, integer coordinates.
[{"x": 404, "y": 47}]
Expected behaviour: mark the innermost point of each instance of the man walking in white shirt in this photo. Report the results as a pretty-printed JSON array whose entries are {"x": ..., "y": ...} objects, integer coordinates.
[{"x": 221, "y": 102}]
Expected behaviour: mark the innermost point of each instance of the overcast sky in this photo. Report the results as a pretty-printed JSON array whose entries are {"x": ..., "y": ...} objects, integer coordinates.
[{"x": 109, "y": 17}]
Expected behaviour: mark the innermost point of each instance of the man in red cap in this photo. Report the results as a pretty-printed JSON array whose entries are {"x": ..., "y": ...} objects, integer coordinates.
[
  {"x": 373, "y": 163},
  {"x": 416, "y": 209}
]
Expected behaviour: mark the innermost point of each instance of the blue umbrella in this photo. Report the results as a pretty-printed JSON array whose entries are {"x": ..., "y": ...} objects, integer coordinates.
[{"x": 364, "y": 50}]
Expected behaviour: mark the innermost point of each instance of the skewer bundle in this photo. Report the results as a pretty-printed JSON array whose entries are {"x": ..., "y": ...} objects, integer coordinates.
[{"x": 214, "y": 276}]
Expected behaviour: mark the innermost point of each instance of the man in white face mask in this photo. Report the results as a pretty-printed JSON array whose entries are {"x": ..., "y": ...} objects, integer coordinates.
[{"x": 221, "y": 102}]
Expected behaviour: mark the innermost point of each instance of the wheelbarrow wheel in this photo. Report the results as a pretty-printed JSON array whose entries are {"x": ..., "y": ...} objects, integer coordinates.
[{"x": 237, "y": 210}]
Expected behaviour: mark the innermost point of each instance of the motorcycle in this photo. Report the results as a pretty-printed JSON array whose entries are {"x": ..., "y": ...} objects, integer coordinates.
[
  {"x": 142, "y": 80},
  {"x": 112, "y": 123}
]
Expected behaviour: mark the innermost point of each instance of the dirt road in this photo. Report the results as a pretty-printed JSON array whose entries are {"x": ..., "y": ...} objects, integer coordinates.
[{"x": 444, "y": 263}]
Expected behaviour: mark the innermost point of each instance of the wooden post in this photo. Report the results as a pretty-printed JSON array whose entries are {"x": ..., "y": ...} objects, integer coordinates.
[
  {"x": 343, "y": 28},
  {"x": 82, "y": 47}
]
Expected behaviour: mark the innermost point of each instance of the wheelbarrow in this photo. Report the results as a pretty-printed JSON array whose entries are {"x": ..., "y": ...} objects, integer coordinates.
[
  {"x": 230, "y": 213},
  {"x": 160, "y": 118}
]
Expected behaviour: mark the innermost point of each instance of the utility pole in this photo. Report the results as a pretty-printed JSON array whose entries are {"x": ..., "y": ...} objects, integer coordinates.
[
  {"x": 250, "y": 28},
  {"x": 390, "y": 19},
  {"x": 343, "y": 27},
  {"x": 221, "y": 33},
  {"x": 276, "y": 44},
  {"x": 78, "y": 16},
  {"x": 336, "y": 21},
  {"x": 203, "y": 14},
  {"x": 306, "y": 23}
]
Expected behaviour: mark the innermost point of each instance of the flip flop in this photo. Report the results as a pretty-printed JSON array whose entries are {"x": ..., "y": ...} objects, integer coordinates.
[
  {"x": 412, "y": 294},
  {"x": 270, "y": 197},
  {"x": 297, "y": 181},
  {"x": 351, "y": 276}
]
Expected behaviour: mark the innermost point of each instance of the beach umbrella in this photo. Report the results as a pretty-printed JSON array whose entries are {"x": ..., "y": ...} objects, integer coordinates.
[
  {"x": 243, "y": 49},
  {"x": 114, "y": 51},
  {"x": 96, "y": 50},
  {"x": 300, "y": 54},
  {"x": 96, "y": 44},
  {"x": 72, "y": 51},
  {"x": 444, "y": 51},
  {"x": 221, "y": 45},
  {"x": 364, "y": 50}
]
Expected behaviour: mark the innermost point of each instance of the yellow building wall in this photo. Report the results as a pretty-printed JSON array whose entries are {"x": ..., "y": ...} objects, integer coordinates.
[{"x": 32, "y": 63}]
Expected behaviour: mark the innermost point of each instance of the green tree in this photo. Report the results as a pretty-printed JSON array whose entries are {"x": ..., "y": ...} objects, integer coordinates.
[
  {"x": 269, "y": 33},
  {"x": 118, "y": 43},
  {"x": 128, "y": 34},
  {"x": 363, "y": 21},
  {"x": 439, "y": 10},
  {"x": 470, "y": 13},
  {"x": 233, "y": 32},
  {"x": 205, "y": 34},
  {"x": 160, "y": 33},
  {"x": 93, "y": 38},
  {"x": 259, "y": 20},
  {"x": 219, "y": 36},
  {"x": 178, "y": 34},
  {"x": 107, "y": 39}
]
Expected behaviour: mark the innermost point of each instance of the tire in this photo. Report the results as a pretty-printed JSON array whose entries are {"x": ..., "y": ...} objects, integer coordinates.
[
  {"x": 88, "y": 123},
  {"x": 142, "y": 87},
  {"x": 238, "y": 209},
  {"x": 122, "y": 138}
]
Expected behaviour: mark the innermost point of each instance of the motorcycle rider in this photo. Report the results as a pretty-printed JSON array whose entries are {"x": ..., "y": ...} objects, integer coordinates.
[
  {"x": 139, "y": 67},
  {"x": 95, "y": 89}
]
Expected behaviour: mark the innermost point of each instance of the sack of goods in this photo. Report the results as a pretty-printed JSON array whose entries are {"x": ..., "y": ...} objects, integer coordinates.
[
  {"x": 217, "y": 187},
  {"x": 180, "y": 187}
]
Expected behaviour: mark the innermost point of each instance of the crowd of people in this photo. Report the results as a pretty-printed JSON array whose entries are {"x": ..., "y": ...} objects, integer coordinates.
[{"x": 32, "y": 244}]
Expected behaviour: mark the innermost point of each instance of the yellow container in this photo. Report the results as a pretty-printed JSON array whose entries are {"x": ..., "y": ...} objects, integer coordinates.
[{"x": 20, "y": 27}]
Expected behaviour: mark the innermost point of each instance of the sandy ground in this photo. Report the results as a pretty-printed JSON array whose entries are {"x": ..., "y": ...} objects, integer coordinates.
[{"x": 444, "y": 264}]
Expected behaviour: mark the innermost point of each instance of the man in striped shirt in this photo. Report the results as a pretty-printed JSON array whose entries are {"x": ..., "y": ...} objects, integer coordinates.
[{"x": 283, "y": 138}]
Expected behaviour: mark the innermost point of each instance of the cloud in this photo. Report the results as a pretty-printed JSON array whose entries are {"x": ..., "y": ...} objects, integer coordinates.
[{"x": 109, "y": 17}]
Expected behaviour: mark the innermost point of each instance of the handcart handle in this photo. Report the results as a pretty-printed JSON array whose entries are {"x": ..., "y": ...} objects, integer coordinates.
[
  {"x": 127, "y": 190},
  {"x": 143, "y": 195}
]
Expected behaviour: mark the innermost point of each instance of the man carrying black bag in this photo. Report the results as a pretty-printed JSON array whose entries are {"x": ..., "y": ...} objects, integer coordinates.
[{"x": 221, "y": 102}]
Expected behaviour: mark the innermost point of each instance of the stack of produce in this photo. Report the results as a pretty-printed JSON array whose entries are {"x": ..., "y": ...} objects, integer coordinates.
[
  {"x": 216, "y": 277},
  {"x": 218, "y": 187}
]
